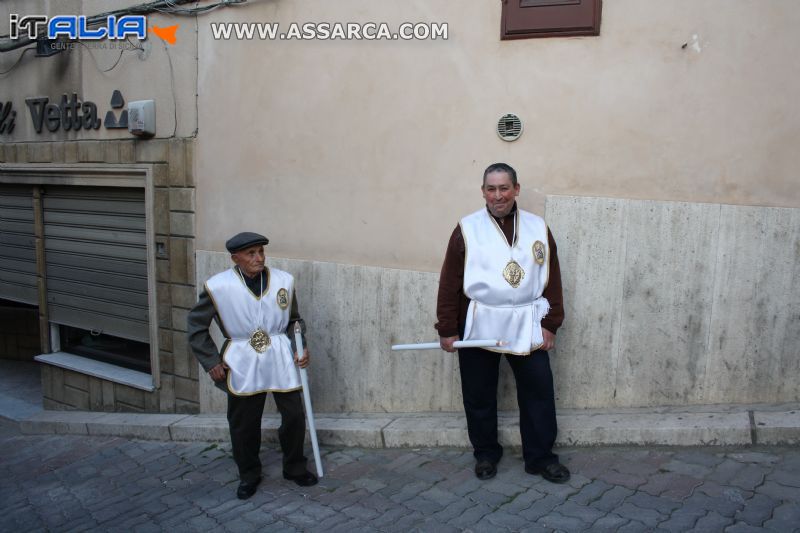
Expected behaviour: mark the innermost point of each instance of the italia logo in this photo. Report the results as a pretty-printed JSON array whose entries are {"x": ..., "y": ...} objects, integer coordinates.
[{"x": 78, "y": 27}]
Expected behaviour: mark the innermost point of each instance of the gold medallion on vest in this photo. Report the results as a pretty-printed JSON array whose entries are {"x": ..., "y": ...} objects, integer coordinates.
[
  {"x": 513, "y": 273},
  {"x": 539, "y": 252},
  {"x": 260, "y": 341},
  {"x": 283, "y": 299}
]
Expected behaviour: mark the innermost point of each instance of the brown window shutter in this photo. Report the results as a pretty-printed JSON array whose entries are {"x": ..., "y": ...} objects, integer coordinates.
[{"x": 523, "y": 19}]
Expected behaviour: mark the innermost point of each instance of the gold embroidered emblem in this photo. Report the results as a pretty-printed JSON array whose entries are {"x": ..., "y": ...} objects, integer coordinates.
[
  {"x": 513, "y": 273},
  {"x": 538, "y": 252},
  {"x": 283, "y": 299},
  {"x": 260, "y": 341}
]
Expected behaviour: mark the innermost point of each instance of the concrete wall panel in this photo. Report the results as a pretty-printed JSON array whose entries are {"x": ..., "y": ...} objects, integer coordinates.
[
  {"x": 353, "y": 315},
  {"x": 755, "y": 335},
  {"x": 708, "y": 305},
  {"x": 591, "y": 248},
  {"x": 667, "y": 303}
]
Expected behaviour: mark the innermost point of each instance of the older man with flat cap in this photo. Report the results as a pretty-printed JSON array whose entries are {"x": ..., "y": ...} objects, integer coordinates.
[{"x": 254, "y": 306}]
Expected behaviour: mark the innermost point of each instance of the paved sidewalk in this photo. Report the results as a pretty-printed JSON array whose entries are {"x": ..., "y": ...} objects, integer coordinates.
[
  {"x": 20, "y": 401},
  {"x": 74, "y": 483},
  {"x": 78, "y": 471}
]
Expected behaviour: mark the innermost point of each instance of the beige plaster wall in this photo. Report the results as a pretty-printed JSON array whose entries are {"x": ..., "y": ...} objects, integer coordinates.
[
  {"x": 161, "y": 72},
  {"x": 368, "y": 152}
]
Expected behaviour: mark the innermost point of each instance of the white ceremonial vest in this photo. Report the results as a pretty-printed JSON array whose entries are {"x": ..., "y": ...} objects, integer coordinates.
[
  {"x": 252, "y": 372},
  {"x": 498, "y": 309}
]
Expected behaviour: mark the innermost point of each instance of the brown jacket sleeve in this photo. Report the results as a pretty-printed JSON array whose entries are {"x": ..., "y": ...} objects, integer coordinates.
[
  {"x": 555, "y": 317},
  {"x": 450, "y": 300}
]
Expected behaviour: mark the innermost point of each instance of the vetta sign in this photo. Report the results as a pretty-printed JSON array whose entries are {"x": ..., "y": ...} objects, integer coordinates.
[{"x": 70, "y": 114}]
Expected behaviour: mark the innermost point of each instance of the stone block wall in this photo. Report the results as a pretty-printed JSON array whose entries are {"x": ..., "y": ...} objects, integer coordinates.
[{"x": 174, "y": 222}]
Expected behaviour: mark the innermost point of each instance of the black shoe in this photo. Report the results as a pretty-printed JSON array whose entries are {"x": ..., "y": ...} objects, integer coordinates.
[
  {"x": 485, "y": 469},
  {"x": 247, "y": 489},
  {"x": 554, "y": 472},
  {"x": 305, "y": 479}
]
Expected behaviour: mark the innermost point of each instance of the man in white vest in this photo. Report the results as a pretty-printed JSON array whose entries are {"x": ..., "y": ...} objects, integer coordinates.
[
  {"x": 501, "y": 280},
  {"x": 254, "y": 308}
]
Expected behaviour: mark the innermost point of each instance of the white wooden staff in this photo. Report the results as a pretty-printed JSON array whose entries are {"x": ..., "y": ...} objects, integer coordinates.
[
  {"x": 312, "y": 429},
  {"x": 457, "y": 344}
]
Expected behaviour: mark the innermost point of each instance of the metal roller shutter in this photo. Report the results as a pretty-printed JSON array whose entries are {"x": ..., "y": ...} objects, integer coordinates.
[
  {"x": 17, "y": 245},
  {"x": 96, "y": 259}
]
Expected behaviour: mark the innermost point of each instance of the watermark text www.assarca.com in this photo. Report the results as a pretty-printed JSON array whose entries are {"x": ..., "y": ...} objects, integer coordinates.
[{"x": 344, "y": 31}]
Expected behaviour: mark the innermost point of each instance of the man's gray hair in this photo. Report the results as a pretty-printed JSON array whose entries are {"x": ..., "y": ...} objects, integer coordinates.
[{"x": 501, "y": 167}]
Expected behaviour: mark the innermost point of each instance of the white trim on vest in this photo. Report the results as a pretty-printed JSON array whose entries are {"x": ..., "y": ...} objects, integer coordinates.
[
  {"x": 497, "y": 310},
  {"x": 238, "y": 309}
]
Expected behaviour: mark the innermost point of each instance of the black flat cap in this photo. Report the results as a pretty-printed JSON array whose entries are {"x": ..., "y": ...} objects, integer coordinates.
[{"x": 243, "y": 240}]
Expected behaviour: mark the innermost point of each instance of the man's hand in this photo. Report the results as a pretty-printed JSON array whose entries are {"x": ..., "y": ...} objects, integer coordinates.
[
  {"x": 549, "y": 340},
  {"x": 447, "y": 343},
  {"x": 304, "y": 362},
  {"x": 217, "y": 373}
]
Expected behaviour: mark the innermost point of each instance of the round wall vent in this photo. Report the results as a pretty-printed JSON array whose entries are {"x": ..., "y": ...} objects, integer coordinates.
[{"x": 509, "y": 127}]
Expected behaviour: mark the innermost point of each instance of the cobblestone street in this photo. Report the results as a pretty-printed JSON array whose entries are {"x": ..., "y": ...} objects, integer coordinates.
[{"x": 74, "y": 483}]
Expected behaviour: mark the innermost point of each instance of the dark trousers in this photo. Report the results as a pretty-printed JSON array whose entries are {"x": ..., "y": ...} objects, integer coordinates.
[
  {"x": 537, "y": 409},
  {"x": 244, "y": 421}
]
